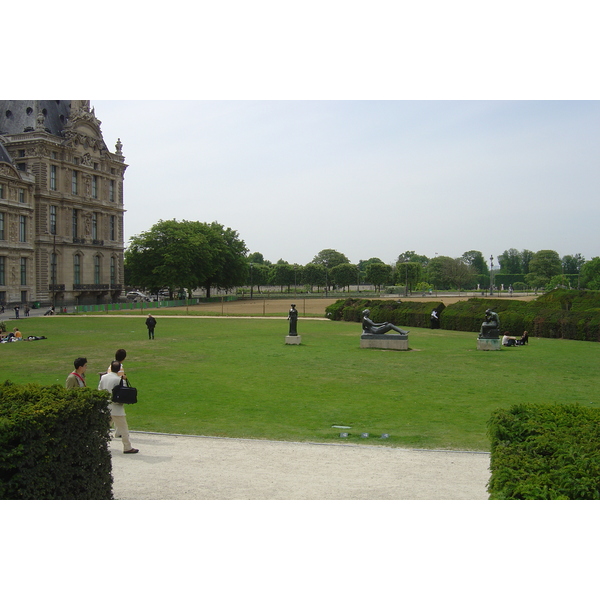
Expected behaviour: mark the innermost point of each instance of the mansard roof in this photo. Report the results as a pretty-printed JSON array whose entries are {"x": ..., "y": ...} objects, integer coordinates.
[
  {"x": 4, "y": 155},
  {"x": 19, "y": 116}
]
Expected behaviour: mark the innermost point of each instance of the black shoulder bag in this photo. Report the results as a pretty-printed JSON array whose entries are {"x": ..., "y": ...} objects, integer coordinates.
[{"x": 123, "y": 393}]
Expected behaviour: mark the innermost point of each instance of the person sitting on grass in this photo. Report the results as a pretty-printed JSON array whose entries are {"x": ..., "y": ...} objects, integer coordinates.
[
  {"x": 524, "y": 339},
  {"x": 508, "y": 340}
]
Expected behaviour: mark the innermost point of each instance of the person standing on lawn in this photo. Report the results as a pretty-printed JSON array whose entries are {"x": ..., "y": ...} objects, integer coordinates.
[
  {"x": 117, "y": 411},
  {"x": 76, "y": 379},
  {"x": 150, "y": 324}
]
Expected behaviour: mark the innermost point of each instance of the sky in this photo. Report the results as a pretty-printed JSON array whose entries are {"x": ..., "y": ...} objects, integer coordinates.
[{"x": 369, "y": 178}]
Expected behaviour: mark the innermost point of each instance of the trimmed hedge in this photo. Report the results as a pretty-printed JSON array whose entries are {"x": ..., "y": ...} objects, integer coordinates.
[
  {"x": 407, "y": 314},
  {"x": 541, "y": 452},
  {"x": 54, "y": 443}
]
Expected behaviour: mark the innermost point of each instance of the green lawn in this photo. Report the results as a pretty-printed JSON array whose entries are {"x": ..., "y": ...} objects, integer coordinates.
[{"x": 237, "y": 378}]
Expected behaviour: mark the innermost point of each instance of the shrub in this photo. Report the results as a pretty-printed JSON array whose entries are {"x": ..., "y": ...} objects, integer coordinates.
[
  {"x": 54, "y": 443},
  {"x": 542, "y": 452}
]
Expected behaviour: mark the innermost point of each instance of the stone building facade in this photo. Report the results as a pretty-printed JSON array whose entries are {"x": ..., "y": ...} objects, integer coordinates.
[{"x": 61, "y": 205}]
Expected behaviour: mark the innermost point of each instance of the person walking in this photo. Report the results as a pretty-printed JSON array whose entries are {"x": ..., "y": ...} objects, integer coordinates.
[
  {"x": 76, "y": 379},
  {"x": 117, "y": 410},
  {"x": 17, "y": 308},
  {"x": 150, "y": 324}
]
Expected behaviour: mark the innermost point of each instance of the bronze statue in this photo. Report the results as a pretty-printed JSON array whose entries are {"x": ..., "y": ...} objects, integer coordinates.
[
  {"x": 377, "y": 328},
  {"x": 293, "y": 319},
  {"x": 490, "y": 328}
]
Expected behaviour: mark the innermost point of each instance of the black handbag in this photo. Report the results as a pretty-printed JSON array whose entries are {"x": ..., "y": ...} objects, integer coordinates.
[{"x": 123, "y": 393}]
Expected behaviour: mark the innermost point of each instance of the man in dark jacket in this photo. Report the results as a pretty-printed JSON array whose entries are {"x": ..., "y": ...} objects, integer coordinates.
[{"x": 150, "y": 324}]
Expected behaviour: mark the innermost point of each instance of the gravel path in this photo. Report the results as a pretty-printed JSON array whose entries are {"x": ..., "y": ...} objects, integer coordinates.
[{"x": 178, "y": 467}]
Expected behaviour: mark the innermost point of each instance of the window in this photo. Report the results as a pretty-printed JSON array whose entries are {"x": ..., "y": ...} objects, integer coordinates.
[
  {"x": 77, "y": 269},
  {"x": 3, "y": 270},
  {"x": 54, "y": 155},
  {"x": 95, "y": 186},
  {"x": 74, "y": 223},
  {"x": 53, "y": 220},
  {"x": 111, "y": 190},
  {"x": 1, "y": 226},
  {"x": 112, "y": 228},
  {"x": 74, "y": 183},
  {"x": 23, "y": 271},
  {"x": 22, "y": 228},
  {"x": 113, "y": 271},
  {"x": 53, "y": 268},
  {"x": 21, "y": 153},
  {"x": 1, "y": 191},
  {"x": 94, "y": 226},
  {"x": 53, "y": 177},
  {"x": 21, "y": 196},
  {"x": 97, "y": 270}
]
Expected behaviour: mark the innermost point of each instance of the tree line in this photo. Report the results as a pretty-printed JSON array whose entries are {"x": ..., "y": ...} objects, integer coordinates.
[{"x": 181, "y": 256}]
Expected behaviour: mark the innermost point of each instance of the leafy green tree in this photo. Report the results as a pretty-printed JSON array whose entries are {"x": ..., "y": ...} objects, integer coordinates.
[
  {"x": 408, "y": 274},
  {"x": 378, "y": 274},
  {"x": 330, "y": 258},
  {"x": 412, "y": 256},
  {"x": 475, "y": 259},
  {"x": 526, "y": 256},
  {"x": 282, "y": 274},
  {"x": 437, "y": 271},
  {"x": 229, "y": 266},
  {"x": 544, "y": 265},
  {"x": 558, "y": 281},
  {"x": 590, "y": 274},
  {"x": 313, "y": 274},
  {"x": 257, "y": 258},
  {"x": 258, "y": 274},
  {"x": 459, "y": 274},
  {"x": 572, "y": 264},
  {"x": 172, "y": 254},
  {"x": 344, "y": 274},
  {"x": 510, "y": 261}
]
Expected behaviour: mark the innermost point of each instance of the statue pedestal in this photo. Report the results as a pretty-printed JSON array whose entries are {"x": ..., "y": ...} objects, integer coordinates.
[
  {"x": 294, "y": 340},
  {"x": 386, "y": 341},
  {"x": 488, "y": 344}
]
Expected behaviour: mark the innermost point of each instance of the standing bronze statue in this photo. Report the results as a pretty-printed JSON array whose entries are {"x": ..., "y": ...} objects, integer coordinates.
[
  {"x": 377, "y": 328},
  {"x": 293, "y": 319}
]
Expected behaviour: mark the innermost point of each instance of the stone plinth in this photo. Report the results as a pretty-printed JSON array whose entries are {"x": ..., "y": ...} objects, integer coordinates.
[
  {"x": 488, "y": 343},
  {"x": 294, "y": 340},
  {"x": 386, "y": 341}
]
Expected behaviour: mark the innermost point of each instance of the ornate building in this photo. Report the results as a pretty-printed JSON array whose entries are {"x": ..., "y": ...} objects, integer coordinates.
[{"x": 61, "y": 205}]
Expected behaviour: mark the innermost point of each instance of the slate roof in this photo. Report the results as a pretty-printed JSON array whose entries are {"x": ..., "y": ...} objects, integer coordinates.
[{"x": 18, "y": 116}]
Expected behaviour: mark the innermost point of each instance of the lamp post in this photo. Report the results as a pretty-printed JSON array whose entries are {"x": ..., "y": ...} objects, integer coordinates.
[
  {"x": 491, "y": 275},
  {"x": 251, "y": 287},
  {"x": 358, "y": 279}
]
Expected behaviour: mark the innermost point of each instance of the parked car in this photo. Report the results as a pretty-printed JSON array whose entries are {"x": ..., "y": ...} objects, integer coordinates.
[{"x": 137, "y": 297}]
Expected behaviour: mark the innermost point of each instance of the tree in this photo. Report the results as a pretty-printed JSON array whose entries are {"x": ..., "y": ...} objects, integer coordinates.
[
  {"x": 258, "y": 259},
  {"x": 344, "y": 274},
  {"x": 409, "y": 274},
  {"x": 510, "y": 261},
  {"x": 544, "y": 265},
  {"x": 172, "y": 254},
  {"x": 459, "y": 274},
  {"x": 437, "y": 271},
  {"x": 526, "y": 256},
  {"x": 313, "y": 274},
  {"x": 412, "y": 256},
  {"x": 229, "y": 265},
  {"x": 282, "y": 274},
  {"x": 475, "y": 259},
  {"x": 572, "y": 264},
  {"x": 330, "y": 258},
  {"x": 258, "y": 274},
  {"x": 378, "y": 274},
  {"x": 590, "y": 274}
]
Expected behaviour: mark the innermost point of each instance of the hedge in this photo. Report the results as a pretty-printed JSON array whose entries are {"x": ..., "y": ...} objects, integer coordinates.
[
  {"x": 545, "y": 452},
  {"x": 54, "y": 443},
  {"x": 407, "y": 314}
]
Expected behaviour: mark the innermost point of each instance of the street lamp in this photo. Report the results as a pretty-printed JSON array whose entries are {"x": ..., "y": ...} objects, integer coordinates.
[
  {"x": 491, "y": 275},
  {"x": 251, "y": 288}
]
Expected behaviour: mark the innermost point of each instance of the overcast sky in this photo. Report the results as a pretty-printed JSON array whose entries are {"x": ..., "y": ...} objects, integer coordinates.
[{"x": 366, "y": 178}]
